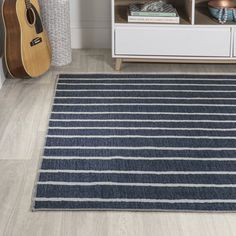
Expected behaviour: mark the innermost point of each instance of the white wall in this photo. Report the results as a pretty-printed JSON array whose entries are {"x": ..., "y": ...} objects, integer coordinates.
[{"x": 91, "y": 23}]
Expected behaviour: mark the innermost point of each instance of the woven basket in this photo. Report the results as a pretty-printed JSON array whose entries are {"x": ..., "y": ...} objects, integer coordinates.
[{"x": 56, "y": 19}]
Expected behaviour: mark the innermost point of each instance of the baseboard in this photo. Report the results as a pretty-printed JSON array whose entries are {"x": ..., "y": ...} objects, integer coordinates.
[
  {"x": 91, "y": 37},
  {"x": 2, "y": 75}
]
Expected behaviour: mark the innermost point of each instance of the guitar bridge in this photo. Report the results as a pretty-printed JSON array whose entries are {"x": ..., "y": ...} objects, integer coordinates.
[{"x": 35, "y": 41}]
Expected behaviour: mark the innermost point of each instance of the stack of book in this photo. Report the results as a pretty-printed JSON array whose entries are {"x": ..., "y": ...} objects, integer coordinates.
[{"x": 168, "y": 15}]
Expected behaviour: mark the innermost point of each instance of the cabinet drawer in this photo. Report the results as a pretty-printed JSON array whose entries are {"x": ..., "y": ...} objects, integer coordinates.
[{"x": 172, "y": 41}]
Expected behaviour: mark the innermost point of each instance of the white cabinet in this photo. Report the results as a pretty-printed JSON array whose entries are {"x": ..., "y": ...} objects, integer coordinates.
[
  {"x": 234, "y": 42},
  {"x": 198, "y": 38},
  {"x": 172, "y": 41}
]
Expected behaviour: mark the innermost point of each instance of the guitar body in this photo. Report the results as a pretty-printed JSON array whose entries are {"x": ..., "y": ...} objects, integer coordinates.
[{"x": 27, "y": 49}]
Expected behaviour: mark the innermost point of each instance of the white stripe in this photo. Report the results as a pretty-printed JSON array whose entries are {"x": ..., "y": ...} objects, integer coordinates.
[
  {"x": 146, "y": 90},
  {"x": 146, "y": 79},
  {"x": 140, "y": 148},
  {"x": 138, "y": 136},
  {"x": 177, "y": 185},
  {"x": 143, "y": 121},
  {"x": 131, "y": 172},
  {"x": 147, "y": 84},
  {"x": 146, "y": 113},
  {"x": 138, "y": 128},
  {"x": 138, "y": 158},
  {"x": 146, "y": 98},
  {"x": 184, "y": 201},
  {"x": 143, "y": 104}
]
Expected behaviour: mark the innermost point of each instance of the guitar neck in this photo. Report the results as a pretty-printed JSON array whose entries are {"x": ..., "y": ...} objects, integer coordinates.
[{"x": 28, "y": 4}]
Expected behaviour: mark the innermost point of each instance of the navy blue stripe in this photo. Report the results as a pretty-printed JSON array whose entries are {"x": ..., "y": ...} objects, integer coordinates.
[
  {"x": 139, "y": 153},
  {"x": 153, "y": 124},
  {"x": 146, "y": 87},
  {"x": 134, "y": 178},
  {"x": 141, "y": 142},
  {"x": 148, "y": 108},
  {"x": 132, "y": 192},
  {"x": 136, "y": 206},
  {"x": 141, "y": 165},
  {"x": 68, "y": 116},
  {"x": 150, "y": 81},
  {"x": 140, "y": 132},
  {"x": 151, "y": 101},
  {"x": 144, "y": 94}
]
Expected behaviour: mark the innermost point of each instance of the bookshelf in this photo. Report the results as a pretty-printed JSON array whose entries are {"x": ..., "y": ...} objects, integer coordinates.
[
  {"x": 122, "y": 18},
  {"x": 198, "y": 38}
]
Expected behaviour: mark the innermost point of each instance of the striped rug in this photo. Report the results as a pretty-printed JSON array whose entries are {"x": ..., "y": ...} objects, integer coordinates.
[{"x": 140, "y": 142}]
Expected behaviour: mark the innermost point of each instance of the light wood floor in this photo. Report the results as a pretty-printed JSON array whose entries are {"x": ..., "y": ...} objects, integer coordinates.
[{"x": 24, "y": 111}]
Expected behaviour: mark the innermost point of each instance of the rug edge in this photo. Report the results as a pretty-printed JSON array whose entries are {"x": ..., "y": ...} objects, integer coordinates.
[{"x": 40, "y": 160}]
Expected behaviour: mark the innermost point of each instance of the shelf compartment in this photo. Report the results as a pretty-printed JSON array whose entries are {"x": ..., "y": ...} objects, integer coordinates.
[
  {"x": 203, "y": 16},
  {"x": 121, "y": 12}
]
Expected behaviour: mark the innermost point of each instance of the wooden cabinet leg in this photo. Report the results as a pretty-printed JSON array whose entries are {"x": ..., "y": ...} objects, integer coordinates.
[{"x": 118, "y": 63}]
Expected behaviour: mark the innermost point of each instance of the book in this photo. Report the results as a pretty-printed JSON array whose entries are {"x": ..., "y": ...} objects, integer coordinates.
[
  {"x": 167, "y": 11},
  {"x": 155, "y": 19},
  {"x": 153, "y": 14}
]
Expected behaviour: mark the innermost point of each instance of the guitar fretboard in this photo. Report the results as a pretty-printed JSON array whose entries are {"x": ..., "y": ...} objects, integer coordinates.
[{"x": 28, "y": 4}]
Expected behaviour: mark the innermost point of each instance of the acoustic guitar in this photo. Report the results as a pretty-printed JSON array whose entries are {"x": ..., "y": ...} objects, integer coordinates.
[{"x": 27, "y": 49}]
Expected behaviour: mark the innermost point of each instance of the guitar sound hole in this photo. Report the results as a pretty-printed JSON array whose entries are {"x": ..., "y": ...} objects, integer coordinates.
[{"x": 30, "y": 16}]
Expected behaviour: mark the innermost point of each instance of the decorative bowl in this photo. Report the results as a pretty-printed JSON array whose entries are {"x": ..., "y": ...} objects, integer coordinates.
[{"x": 218, "y": 8}]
